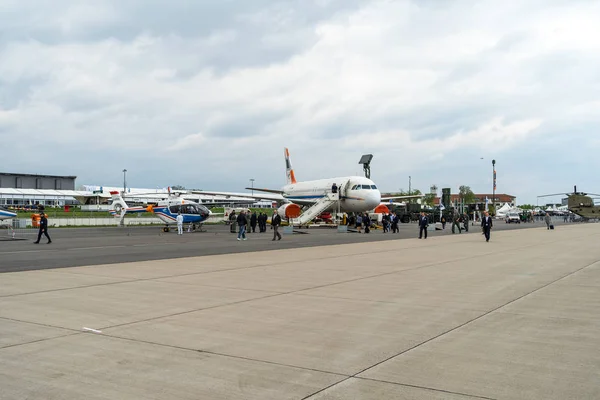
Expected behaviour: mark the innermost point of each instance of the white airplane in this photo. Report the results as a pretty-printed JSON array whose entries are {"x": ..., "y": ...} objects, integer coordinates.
[
  {"x": 355, "y": 194},
  {"x": 5, "y": 214}
]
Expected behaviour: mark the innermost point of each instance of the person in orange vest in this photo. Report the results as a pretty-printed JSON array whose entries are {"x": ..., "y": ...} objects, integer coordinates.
[{"x": 43, "y": 228}]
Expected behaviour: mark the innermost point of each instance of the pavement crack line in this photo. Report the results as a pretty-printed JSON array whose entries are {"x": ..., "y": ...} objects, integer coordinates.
[
  {"x": 470, "y": 321},
  {"x": 39, "y": 340},
  {"x": 108, "y": 335},
  {"x": 289, "y": 292},
  {"x": 452, "y": 330}
]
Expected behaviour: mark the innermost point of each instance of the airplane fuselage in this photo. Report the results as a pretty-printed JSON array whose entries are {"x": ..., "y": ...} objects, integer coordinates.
[
  {"x": 357, "y": 194},
  {"x": 5, "y": 214}
]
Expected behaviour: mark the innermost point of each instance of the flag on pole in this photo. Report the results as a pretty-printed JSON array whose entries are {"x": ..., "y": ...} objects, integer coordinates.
[{"x": 486, "y": 203}]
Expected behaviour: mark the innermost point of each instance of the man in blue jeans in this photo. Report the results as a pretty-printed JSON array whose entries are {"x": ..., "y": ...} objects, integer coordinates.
[{"x": 242, "y": 222}]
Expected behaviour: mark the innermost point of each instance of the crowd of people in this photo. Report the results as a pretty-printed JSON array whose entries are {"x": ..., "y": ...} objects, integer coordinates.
[{"x": 247, "y": 224}]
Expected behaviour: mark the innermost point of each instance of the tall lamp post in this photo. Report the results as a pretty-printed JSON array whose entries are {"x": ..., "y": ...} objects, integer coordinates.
[
  {"x": 252, "y": 183},
  {"x": 494, "y": 189},
  {"x": 124, "y": 180}
]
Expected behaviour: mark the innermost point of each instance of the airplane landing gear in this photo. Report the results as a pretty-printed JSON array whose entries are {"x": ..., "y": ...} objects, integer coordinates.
[{"x": 166, "y": 229}]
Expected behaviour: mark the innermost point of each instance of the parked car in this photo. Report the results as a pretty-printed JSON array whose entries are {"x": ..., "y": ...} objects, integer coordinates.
[{"x": 513, "y": 217}]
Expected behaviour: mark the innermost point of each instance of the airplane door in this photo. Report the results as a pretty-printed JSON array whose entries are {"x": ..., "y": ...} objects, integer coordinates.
[{"x": 344, "y": 190}]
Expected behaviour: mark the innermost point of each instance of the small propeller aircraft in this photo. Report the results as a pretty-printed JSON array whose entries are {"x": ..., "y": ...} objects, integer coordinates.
[
  {"x": 5, "y": 214},
  {"x": 166, "y": 210},
  {"x": 580, "y": 203}
]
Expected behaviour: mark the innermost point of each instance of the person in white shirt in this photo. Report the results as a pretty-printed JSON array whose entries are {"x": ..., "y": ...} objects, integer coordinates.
[{"x": 179, "y": 223}]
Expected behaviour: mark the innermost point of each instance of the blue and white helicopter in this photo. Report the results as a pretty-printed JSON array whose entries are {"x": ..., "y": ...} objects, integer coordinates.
[{"x": 166, "y": 210}]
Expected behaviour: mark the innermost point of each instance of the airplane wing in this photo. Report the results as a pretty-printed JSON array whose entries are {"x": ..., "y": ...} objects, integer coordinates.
[
  {"x": 416, "y": 196},
  {"x": 266, "y": 190},
  {"x": 272, "y": 196}
]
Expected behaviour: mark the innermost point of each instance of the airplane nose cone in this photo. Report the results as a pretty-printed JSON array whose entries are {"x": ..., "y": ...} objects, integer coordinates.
[{"x": 374, "y": 199}]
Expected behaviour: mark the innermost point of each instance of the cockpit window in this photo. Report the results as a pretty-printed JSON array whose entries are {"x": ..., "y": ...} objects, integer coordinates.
[
  {"x": 203, "y": 210},
  {"x": 373, "y": 187},
  {"x": 366, "y": 186}
]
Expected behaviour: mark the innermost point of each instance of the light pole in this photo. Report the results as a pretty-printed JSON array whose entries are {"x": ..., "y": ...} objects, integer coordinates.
[
  {"x": 494, "y": 183},
  {"x": 124, "y": 180},
  {"x": 409, "y": 181},
  {"x": 252, "y": 183}
]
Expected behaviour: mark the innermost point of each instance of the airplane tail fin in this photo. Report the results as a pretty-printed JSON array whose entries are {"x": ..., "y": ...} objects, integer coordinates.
[{"x": 289, "y": 170}]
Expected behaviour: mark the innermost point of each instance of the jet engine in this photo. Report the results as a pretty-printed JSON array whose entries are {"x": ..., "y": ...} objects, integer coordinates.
[{"x": 289, "y": 210}]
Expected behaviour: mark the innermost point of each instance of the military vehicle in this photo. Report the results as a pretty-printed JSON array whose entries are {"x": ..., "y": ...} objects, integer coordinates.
[{"x": 580, "y": 203}]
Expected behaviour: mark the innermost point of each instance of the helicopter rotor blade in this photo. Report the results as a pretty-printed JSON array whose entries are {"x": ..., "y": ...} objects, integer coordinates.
[{"x": 555, "y": 194}]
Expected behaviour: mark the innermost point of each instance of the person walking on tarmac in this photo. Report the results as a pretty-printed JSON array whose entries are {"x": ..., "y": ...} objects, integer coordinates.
[
  {"x": 486, "y": 225},
  {"x": 179, "y": 223},
  {"x": 259, "y": 220},
  {"x": 423, "y": 222},
  {"x": 232, "y": 221},
  {"x": 43, "y": 228},
  {"x": 253, "y": 221},
  {"x": 456, "y": 223},
  {"x": 275, "y": 223},
  {"x": 466, "y": 221},
  {"x": 394, "y": 218},
  {"x": 367, "y": 223},
  {"x": 242, "y": 222},
  {"x": 547, "y": 219}
]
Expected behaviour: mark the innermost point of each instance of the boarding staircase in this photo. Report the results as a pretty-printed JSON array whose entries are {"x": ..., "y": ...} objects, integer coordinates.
[{"x": 320, "y": 206}]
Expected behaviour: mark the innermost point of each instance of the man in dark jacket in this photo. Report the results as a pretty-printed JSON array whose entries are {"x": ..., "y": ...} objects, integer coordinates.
[
  {"x": 395, "y": 221},
  {"x": 486, "y": 225},
  {"x": 259, "y": 219},
  {"x": 232, "y": 221},
  {"x": 275, "y": 223},
  {"x": 43, "y": 228},
  {"x": 253, "y": 221},
  {"x": 242, "y": 222},
  {"x": 423, "y": 222}
]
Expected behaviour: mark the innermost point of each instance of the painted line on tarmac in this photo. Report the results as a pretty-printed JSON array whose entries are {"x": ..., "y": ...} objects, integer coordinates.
[
  {"x": 25, "y": 251},
  {"x": 91, "y": 248}
]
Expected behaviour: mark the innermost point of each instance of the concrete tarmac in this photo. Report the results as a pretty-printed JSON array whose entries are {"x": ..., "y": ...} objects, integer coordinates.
[
  {"x": 91, "y": 246},
  {"x": 452, "y": 317}
]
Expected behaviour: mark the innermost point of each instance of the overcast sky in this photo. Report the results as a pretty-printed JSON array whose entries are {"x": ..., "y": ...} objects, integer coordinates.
[{"x": 206, "y": 93}]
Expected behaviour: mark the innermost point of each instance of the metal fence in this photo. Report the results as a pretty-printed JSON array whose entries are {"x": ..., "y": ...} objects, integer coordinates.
[{"x": 18, "y": 229}]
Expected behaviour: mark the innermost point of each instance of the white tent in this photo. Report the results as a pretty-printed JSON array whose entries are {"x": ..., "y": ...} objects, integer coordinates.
[{"x": 502, "y": 211}]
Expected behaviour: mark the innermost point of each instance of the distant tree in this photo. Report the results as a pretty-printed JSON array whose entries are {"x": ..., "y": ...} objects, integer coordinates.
[
  {"x": 466, "y": 194},
  {"x": 178, "y": 187},
  {"x": 527, "y": 206},
  {"x": 429, "y": 199}
]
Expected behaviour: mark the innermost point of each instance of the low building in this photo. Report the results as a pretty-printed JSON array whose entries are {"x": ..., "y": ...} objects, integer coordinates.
[
  {"x": 28, "y": 190},
  {"x": 33, "y": 181}
]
